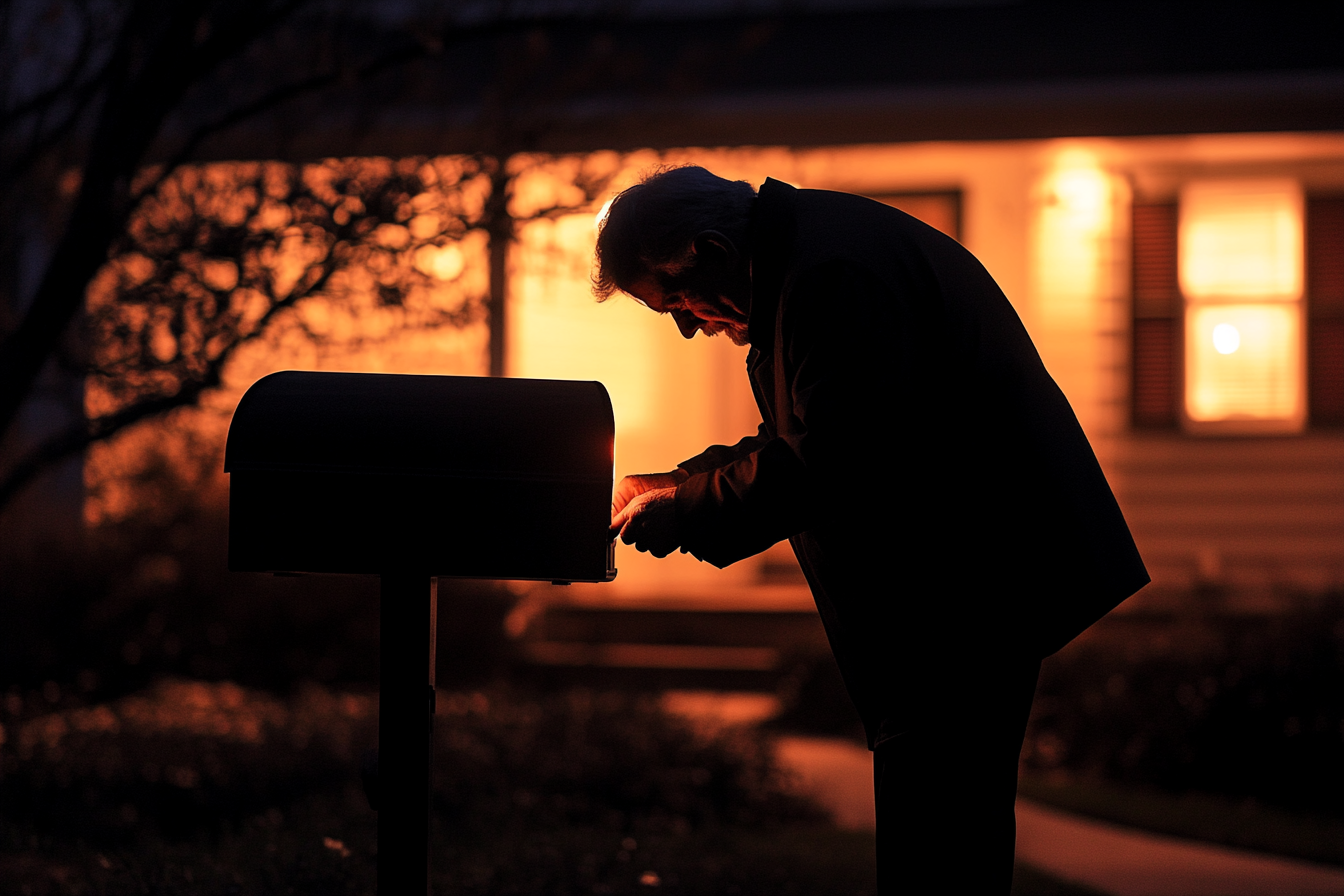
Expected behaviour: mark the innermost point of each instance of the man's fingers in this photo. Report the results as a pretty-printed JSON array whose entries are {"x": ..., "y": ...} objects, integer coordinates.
[
  {"x": 631, "y": 487},
  {"x": 618, "y": 524},
  {"x": 621, "y": 497},
  {"x": 648, "y": 522}
]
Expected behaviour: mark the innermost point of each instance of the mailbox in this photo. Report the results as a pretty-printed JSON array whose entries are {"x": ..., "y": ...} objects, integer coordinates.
[
  {"x": 443, "y": 475},
  {"x": 411, "y": 478}
]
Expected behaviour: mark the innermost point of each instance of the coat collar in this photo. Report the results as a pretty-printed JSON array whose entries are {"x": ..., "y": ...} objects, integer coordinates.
[{"x": 772, "y": 230}]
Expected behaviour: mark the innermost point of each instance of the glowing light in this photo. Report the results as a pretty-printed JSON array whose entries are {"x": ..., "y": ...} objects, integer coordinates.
[
  {"x": 560, "y": 332},
  {"x": 1240, "y": 263},
  {"x": 1226, "y": 339},
  {"x": 441, "y": 262},
  {"x": 602, "y": 213},
  {"x": 1082, "y": 193},
  {"x": 1072, "y": 225},
  {"x": 1241, "y": 240},
  {"x": 1243, "y": 362}
]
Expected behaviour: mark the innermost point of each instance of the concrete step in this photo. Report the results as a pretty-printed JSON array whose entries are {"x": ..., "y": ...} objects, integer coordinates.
[{"x": 670, "y": 648}]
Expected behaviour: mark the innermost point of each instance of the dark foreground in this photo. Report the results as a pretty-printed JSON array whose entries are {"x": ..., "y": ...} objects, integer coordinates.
[{"x": 203, "y": 788}]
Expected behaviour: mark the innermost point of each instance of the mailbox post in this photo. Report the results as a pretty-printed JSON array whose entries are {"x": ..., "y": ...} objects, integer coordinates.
[
  {"x": 411, "y": 478},
  {"x": 405, "y": 730}
]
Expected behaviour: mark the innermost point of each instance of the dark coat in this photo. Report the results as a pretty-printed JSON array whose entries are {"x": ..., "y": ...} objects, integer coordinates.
[{"x": 931, "y": 477}]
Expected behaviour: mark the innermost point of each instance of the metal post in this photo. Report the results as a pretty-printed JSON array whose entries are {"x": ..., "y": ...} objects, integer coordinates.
[{"x": 405, "y": 732}]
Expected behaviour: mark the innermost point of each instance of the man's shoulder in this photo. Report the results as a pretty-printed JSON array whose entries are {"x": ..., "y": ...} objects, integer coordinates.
[
  {"x": 782, "y": 198},
  {"x": 834, "y": 228}
]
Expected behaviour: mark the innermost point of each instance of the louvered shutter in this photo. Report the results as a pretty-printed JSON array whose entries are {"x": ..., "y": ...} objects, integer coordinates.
[
  {"x": 1325, "y": 310},
  {"x": 1156, "y": 327}
]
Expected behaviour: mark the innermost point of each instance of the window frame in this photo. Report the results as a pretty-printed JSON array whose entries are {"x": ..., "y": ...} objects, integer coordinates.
[{"x": 1157, "y": 322}]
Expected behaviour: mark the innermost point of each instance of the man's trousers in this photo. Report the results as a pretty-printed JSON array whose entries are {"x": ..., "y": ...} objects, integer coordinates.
[{"x": 946, "y": 783}]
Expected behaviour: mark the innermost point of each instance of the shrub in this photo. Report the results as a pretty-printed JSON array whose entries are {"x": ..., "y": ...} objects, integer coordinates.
[{"x": 1244, "y": 706}]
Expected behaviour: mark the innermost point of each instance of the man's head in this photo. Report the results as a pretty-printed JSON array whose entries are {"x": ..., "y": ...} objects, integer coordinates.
[{"x": 678, "y": 243}]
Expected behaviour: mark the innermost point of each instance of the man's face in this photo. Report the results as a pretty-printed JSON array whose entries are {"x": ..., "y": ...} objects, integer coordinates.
[
  {"x": 694, "y": 308},
  {"x": 700, "y": 301}
]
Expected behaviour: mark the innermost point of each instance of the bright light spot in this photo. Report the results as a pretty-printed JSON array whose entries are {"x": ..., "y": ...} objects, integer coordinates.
[
  {"x": 1241, "y": 240},
  {"x": 1073, "y": 224},
  {"x": 1082, "y": 192},
  {"x": 650, "y": 879},
  {"x": 1244, "y": 362},
  {"x": 219, "y": 274},
  {"x": 440, "y": 262},
  {"x": 391, "y": 236},
  {"x": 602, "y": 214},
  {"x": 336, "y": 846},
  {"x": 1226, "y": 339},
  {"x": 560, "y": 332}
]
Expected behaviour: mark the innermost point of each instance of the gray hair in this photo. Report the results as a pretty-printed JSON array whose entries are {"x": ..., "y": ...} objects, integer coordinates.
[{"x": 650, "y": 227}]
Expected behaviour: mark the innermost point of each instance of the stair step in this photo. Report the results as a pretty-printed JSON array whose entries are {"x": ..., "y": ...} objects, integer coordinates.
[{"x": 652, "y": 656}]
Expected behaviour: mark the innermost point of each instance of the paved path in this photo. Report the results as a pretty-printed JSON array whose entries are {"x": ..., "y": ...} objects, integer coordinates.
[
  {"x": 1129, "y": 862},
  {"x": 1116, "y": 860}
]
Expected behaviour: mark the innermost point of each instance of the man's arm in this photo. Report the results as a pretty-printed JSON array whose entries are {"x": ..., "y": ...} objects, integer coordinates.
[
  {"x": 716, "y": 456},
  {"x": 842, "y": 347},
  {"x": 647, "y": 499}
]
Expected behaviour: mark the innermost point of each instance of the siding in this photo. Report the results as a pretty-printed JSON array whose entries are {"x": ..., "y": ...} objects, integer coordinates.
[{"x": 1246, "y": 513}]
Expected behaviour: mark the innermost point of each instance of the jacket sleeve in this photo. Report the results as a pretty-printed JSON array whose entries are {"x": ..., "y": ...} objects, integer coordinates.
[
  {"x": 716, "y": 456},
  {"x": 784, "y": 485}
]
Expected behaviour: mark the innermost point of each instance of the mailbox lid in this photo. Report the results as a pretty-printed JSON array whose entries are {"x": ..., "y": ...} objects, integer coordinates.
[{"x": 406, "y": 424}]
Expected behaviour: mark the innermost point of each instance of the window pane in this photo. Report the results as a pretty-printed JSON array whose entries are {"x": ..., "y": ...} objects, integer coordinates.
[
  {"x": 1241, "y": 240},
  {"x": 1243, "y": 362}
]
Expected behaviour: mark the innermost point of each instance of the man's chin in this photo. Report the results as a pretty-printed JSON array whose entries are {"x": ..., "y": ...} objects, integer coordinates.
[{"x": 736, "y": 335}]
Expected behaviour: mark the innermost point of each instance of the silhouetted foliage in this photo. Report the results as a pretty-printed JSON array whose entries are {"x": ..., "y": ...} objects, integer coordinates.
[
  {"x": 221, "y": 253},
  {"x": 1245, "y": 706},
  {"x": 177, "y": 779},
  {"x": 103, "y": 104}
]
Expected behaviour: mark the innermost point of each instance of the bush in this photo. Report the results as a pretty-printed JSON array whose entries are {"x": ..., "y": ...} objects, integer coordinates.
[
  {"x": 132, "y": 610},
  {"x": 210, "y": 787},
  {"x": 1243, "y": 706}
]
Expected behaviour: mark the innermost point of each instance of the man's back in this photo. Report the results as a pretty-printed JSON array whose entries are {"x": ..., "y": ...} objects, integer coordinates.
[
  {"x": 943, "y": 501},
  {"x": 949, "y": 427}
]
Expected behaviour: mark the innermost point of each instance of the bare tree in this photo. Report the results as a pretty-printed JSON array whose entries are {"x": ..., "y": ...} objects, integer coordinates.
[
  {"x": 228, "y": 254},
  {"x": 114, "y": 100}
]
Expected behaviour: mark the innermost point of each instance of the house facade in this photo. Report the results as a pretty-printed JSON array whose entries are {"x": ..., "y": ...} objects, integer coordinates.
[
  {"x": 1185, "y": 291},
  {"x": 1157, "y": 188}
]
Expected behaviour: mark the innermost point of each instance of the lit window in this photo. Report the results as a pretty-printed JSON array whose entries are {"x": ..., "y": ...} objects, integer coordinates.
[
  {"x": 1242, "y": 362},
  {"x": 1240, "y": 254}
]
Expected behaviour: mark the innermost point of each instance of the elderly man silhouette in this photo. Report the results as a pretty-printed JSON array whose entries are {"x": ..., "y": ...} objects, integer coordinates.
[{"x": 942, "y": 500}]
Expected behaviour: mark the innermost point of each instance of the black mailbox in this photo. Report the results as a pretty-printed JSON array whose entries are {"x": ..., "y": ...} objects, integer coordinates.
[
  {"x": 442, "y": 475},
  {"x": 411, "y": 478}
]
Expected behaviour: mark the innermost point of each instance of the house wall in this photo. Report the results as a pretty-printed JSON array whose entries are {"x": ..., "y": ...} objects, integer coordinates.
[{"x": 1050, "y": 221}]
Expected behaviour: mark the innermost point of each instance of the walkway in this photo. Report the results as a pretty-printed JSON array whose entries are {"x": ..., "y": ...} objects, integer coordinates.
[{"x": 1116, "y": 860}]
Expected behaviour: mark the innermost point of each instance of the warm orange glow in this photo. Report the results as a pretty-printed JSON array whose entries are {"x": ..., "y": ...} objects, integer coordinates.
[
  {"x": 938, "y": 210},
  {"x": 1243, "y": 362},
  {"x": 1074, "y": 221},
  {"x": 1240, "y": 264},
  {"x": 144, "y": 471},
  {"x": 1047, "y": 218},
  {"x": 1074, "y": 245},
  {"x": 1241, "y": 240},
  {"x": 560, "y": 332}
]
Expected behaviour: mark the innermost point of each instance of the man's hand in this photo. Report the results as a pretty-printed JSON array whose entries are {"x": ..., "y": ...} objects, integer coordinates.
[
  {"x": 632, "y": 487},
  {"x": 649, "y": 522},
  {"x": 644, "y": 513}
]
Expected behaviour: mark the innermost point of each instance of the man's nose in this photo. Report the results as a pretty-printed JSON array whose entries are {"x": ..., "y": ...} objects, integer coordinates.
[{"x": 687, "y": 323}]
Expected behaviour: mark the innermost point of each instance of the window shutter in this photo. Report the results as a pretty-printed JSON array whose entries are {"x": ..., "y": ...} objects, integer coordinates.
[
  {"x": 1325, "y": 310},
  {"x": 1157, "y": 316}
]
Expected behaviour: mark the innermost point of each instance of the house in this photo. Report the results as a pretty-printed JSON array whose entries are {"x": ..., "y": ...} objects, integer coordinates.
[{"x": 1158, "y": 188}]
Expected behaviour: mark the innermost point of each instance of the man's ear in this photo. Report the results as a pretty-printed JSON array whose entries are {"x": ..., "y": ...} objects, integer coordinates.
[{"x": 714, "y": 249}]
